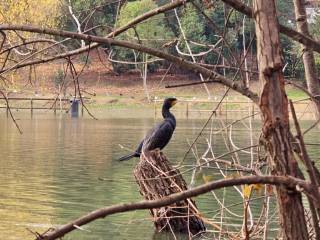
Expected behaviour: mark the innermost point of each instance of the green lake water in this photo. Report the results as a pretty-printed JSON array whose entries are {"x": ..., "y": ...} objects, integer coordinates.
[{"x": 61, "y": 168}]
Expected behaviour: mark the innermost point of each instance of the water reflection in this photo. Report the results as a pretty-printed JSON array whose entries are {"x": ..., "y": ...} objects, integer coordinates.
[{"x": 61, "y": 168}]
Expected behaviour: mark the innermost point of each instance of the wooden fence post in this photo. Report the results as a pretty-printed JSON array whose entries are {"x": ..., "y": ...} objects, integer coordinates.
[
  {"x": 31, "y": 106},
  {"x": 155, "y": 108},
  {"x": 187, "y": 110}
]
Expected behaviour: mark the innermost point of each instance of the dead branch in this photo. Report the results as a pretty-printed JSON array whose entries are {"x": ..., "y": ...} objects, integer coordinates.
[
  {"x": 221, "y": 33},
  {"x": 4, "y": 36},
  {"x": 114, "y": 33},
  {"x": 312, "y": 171},
  {"x": 11, "y": 115},
  {"x": 109, "y": 41},
  {"x": 30, "y": 42},
  {"x": 289, "y": 182},
  {"x": 190, "y": 84},
  {"x": 314, "y": 177},
  {"x": 219, "y": 103}
]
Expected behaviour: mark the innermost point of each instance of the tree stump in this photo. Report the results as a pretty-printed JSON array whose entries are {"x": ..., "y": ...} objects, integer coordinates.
[{"x": 157, "y": 179}]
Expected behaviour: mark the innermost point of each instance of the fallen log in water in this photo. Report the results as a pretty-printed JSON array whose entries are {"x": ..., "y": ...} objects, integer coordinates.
[{"x": 157, "y": 179}]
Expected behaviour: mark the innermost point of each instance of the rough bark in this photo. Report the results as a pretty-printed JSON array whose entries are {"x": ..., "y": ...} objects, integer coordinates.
[
  {"x": 157, "y": 179},
  {"x": 274, "y": 109},
  {"x": 312, "y": 80}
]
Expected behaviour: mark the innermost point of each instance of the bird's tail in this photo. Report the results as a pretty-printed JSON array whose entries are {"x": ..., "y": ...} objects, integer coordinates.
[{"x": 127, "y": 157}]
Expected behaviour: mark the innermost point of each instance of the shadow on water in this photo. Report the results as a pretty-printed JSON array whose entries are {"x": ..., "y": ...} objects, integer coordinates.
[{"x": 61, "y": 168}]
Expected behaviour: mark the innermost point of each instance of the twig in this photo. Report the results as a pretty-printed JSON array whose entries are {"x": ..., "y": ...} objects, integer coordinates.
[
  {"x": 9, "y": 109},
  {"x": 166, "y": 73},
  {"x": 313, "y": 174},
  {"x": 75, "y": 76},
  {"x": 311, "y": 127},
  {"x": 215, "y": 109},
  {"x": 3, "y": 40},
  {"x": 189, "y": 49},
  {"x": 191, "y": 84}
]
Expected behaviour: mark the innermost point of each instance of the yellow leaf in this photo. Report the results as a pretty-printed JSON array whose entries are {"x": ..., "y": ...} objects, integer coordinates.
[
  {"x": 258, "y": 187},
  {"x": 206, "y": 178},
  {"x": 247, "y": 190},
  {"x": 233, "y": 175}
]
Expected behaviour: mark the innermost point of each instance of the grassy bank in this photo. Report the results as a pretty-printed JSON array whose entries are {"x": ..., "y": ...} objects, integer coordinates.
[{"x": 125, "y": 92}]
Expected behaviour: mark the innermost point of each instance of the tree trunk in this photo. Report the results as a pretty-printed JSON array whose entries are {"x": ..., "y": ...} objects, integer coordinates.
[
  {"x": 157, "y": 179},
  {"x": 275, "y": 115},
  {"x": 308, "y": 58}
]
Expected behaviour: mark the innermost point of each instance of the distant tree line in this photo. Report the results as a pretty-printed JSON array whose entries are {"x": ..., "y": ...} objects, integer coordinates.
[
  {"x": 164, "y": 28},
  {"x": 98, "y": 17}
]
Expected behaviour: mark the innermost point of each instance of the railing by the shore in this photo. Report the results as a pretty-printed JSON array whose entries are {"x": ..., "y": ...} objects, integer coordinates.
[
  {"x": 229, "y": 107},
  {"x": 226, "y": 108},
  {"x": 57, "y": 104}
]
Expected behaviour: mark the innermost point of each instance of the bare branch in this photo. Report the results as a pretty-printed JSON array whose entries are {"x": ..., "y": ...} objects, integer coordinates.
[
  {"x": 114, "y": 33},
  {"x": 289, "y": 182},
  {"x": 11, "y": 115},
  {"x": 4, "y": 36},
  {"x": 109, "y": 41},
  {"x": 83, "y": 44},
  {"x": 30, "y": 42}
]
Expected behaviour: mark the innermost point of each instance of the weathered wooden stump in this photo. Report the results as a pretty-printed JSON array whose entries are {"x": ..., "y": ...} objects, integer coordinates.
[{"x": 157, "y": 179}]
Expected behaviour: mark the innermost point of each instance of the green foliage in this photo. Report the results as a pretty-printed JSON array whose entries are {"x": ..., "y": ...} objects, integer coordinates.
[
  {"x": 196, "y": 29},
  {"x": 317, "y": 60},
  {"x": 286, "y": 16},
  {"x": 290, "y": 51},
  {"x": 170, "y": 19},
  {"x": 153, "y": 32},
  {"x": 103, "y": 15},
  {"x": 85, "y": 59},
  {"x": 315, "y": 26},
  {"x": 285, "y": 12},
  {"x": 59, "y": 77},
  {"x": 193, "y": 25},
  {"x": 148, "y": 32}
]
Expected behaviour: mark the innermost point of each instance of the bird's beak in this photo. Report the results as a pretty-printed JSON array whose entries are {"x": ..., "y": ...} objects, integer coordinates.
[{"x": 174, "y": 102}]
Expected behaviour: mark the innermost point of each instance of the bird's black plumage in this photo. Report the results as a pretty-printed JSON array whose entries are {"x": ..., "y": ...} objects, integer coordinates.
[{"x": 160, "y": 134}]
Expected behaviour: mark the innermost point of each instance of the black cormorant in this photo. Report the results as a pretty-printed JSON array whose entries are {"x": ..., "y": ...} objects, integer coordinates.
[{"x": 160, "y": 135}]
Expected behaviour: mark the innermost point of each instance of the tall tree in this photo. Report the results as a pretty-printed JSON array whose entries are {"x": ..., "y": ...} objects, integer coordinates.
[
  {"x": 42, "y": 13},
  {"x": 90, "y": 13},
  {"x": 311, "y": 75},
  {"x": 274, "y": 109}
]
